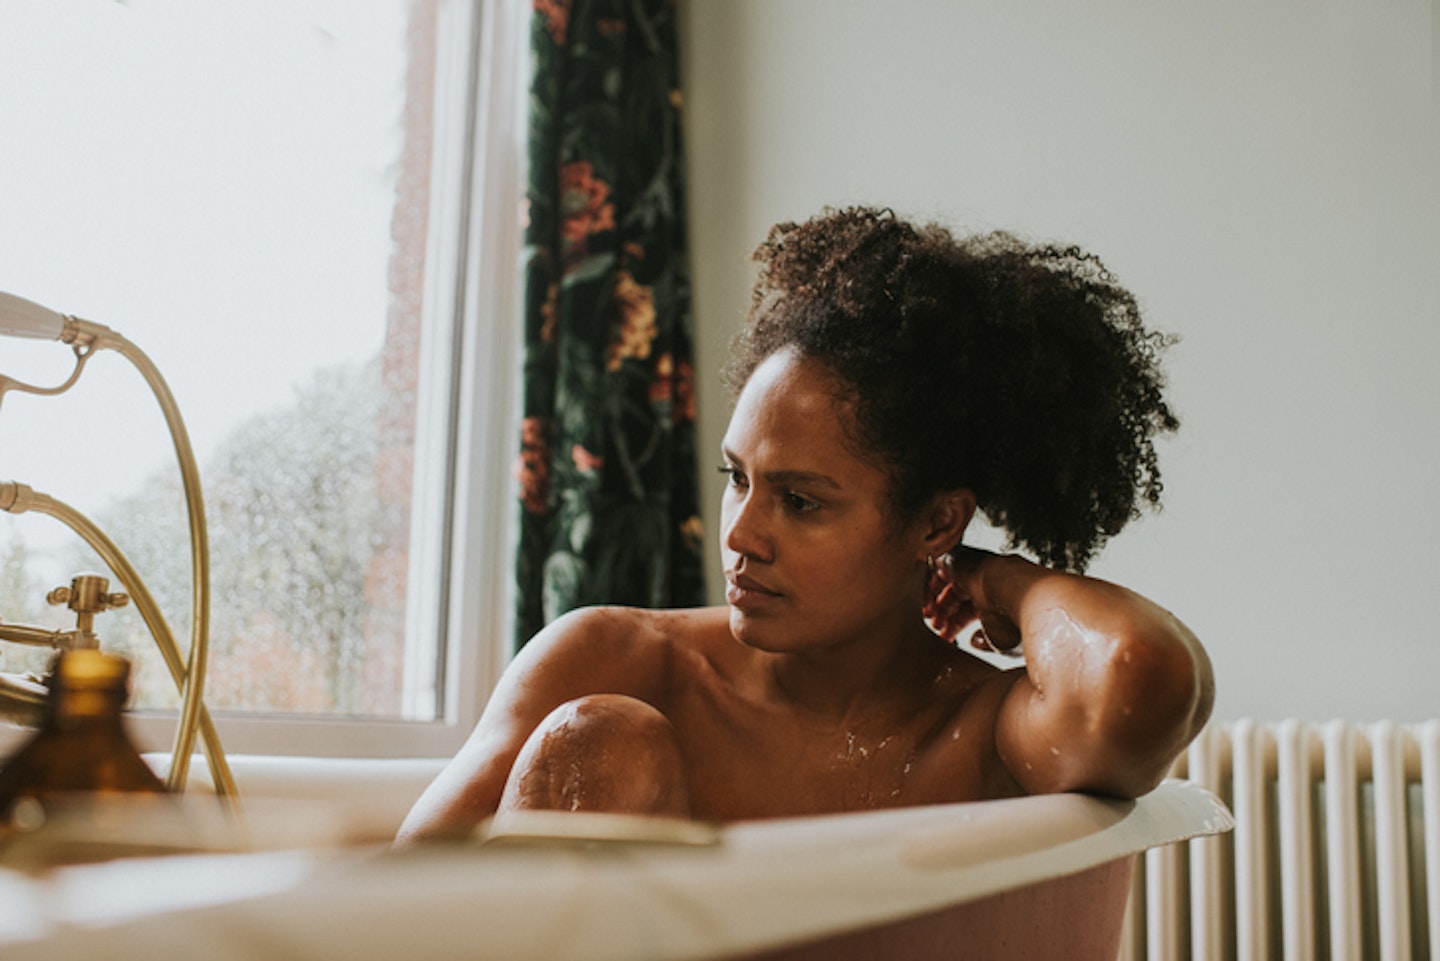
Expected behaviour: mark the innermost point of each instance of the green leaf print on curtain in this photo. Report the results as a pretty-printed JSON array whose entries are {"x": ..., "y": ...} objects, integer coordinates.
[{"x": 607, "y": 466}]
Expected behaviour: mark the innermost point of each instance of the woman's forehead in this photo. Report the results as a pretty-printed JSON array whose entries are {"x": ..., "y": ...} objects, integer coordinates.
[
  {"x": 790, "y": 382},
  {"x": 794, "y": 402}
]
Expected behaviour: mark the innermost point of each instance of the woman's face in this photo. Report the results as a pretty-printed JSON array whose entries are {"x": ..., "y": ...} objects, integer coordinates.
[{"x": 813, "y": 557}]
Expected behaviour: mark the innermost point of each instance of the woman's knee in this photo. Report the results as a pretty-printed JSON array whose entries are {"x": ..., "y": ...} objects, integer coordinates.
[{"x": 602, "y": 752}]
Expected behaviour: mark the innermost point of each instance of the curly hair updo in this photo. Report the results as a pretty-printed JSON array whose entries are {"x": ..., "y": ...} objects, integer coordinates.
[{"x": 1021, "y": 372}]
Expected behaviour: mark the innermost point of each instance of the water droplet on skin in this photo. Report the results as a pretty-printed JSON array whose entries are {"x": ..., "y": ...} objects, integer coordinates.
[
  {"x": 574, "y": 787},
  {"x": 1054, "y": 750},
  {"x": 955, "y": 735}
]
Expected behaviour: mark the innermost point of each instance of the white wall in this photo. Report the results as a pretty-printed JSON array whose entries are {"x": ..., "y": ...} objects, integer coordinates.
[{"x": 1265, "y": 176}]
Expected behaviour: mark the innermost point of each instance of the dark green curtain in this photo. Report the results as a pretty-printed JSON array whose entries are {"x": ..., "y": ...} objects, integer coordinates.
[{"x": 607, "y": 467}]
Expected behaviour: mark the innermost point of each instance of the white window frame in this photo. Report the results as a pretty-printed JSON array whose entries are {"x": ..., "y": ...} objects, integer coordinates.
[{"x": 459, "y": 602}]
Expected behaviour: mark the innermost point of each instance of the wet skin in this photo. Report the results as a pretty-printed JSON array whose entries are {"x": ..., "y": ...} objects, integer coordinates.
[{"x": 820, "y": 687}]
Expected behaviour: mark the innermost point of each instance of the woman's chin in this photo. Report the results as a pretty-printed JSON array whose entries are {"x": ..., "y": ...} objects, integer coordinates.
[
  {"x": 766, "y": 632},
  {"x": 752, "y": 630}
]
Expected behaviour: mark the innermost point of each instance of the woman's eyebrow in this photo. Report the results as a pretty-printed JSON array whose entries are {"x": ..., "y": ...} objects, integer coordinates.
[
  {"x": 802, "y": 477},
  {"x": 811, "y": 478}
]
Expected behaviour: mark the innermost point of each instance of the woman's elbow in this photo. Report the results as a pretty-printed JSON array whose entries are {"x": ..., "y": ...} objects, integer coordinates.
[{"x": 1160, "y": 696}]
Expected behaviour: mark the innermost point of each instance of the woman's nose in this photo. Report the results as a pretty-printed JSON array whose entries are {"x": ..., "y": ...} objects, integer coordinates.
[{"x": 744, "y": 530}]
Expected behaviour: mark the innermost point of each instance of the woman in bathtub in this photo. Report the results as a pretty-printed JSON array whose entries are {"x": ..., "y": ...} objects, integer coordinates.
[{"x": 892, "y": 380}]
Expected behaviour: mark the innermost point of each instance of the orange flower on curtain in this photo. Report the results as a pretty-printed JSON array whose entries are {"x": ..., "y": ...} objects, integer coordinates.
[
  {"x": 585, "y": 208},
  {"x": 636, "y": 331},
  {"x": 554, "y": 15}
]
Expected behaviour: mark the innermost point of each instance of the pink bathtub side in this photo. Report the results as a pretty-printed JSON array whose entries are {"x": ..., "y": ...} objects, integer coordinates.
[{"x": 1074, "y": 918}]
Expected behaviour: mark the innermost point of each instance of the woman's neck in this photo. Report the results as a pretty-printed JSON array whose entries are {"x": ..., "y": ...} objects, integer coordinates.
[{"x": 875, "y": 673}]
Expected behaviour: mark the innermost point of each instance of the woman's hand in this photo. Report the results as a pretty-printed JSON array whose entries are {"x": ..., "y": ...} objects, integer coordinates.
[{"x": 956, "y": 599}]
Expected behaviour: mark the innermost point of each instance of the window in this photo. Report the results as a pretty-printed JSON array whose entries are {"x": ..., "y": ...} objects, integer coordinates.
[{"x": 305, "y": 213}]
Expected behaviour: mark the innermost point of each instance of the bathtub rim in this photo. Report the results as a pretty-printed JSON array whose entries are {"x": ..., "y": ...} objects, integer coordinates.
[{"x": 752, "y": 893}]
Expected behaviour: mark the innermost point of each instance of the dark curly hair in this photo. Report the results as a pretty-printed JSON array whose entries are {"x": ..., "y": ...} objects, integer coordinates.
[{"x": 1021, "y": 372}]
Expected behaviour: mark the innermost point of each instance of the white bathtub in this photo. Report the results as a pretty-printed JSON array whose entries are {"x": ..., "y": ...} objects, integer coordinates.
[{"x": 1030, "y": 878}]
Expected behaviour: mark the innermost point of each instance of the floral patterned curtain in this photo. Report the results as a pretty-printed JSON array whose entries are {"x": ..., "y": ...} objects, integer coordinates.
[{"x": 607, "y": 446}]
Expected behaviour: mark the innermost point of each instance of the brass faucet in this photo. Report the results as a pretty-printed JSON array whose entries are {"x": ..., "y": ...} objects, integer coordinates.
[{"x": 23, "y": 318}]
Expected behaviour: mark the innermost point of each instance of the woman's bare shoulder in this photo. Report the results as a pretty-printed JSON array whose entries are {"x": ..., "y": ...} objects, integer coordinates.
[
  {"x": 617, "y": 644},
  {"x": 959, "y": 760},
  {"x": 634, "y": 626}
]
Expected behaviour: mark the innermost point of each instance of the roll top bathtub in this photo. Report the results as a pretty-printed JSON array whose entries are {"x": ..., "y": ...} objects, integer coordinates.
[{"x": 1029, "y": 878}]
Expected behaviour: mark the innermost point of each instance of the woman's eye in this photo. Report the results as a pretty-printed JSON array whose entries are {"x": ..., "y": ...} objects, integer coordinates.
[
  {"x": 799, "y": 503},
  {"x": 733, "y": 477}
]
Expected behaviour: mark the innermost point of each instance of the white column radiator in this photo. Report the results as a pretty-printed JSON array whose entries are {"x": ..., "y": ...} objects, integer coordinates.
[{"x": 1335, "y": 854}]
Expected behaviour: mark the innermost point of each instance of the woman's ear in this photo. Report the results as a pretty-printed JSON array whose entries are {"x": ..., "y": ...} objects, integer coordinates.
[{"x": 946, "y": 520}]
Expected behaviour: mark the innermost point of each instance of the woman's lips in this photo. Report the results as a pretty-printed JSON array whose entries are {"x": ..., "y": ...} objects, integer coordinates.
[{"x": 745, "y": 592}]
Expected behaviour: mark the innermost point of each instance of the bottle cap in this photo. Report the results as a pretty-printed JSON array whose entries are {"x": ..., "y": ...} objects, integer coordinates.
[{"x": 88, "y": 668}]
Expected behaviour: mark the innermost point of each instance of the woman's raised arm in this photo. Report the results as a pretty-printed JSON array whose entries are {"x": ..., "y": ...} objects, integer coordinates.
[{"x": 1114, "y": 685}]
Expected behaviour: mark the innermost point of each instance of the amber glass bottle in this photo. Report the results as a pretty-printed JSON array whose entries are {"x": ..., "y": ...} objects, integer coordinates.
[{"x": 82, "y": 745}]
